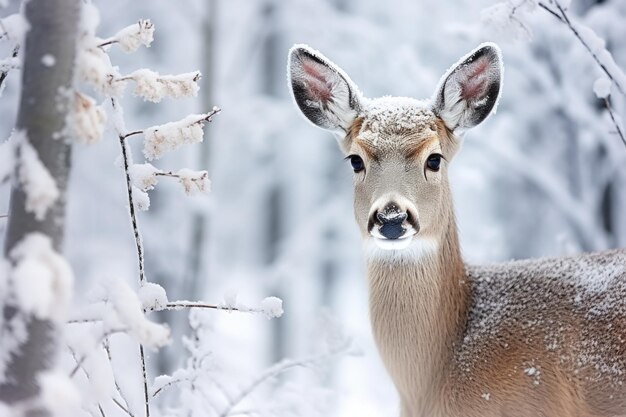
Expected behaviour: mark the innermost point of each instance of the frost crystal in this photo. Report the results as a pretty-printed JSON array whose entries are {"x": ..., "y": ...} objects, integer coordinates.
[
  {"x": 42, "y": 279},
  {"x": 272, "y": 307},
  {"x": 40, "y": 188},
  {"x": 154, "y": 87},
  {"x": 171, "y": 136},
  {"x": 88, "y": 119}
]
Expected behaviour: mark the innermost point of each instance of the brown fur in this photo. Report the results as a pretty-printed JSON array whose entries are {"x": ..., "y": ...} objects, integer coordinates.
[{"x": 424, "y": 315}]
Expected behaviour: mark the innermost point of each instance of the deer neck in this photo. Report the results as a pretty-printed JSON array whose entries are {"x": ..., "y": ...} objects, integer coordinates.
[{"x": 418, "y": 306}]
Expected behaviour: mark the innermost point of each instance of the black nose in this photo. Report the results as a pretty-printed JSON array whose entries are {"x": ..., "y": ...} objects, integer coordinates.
[{"x": 391, "y": 220}]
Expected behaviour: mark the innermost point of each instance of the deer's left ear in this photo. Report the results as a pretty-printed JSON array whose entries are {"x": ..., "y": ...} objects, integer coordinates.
[{"x": 469, "y": 91}]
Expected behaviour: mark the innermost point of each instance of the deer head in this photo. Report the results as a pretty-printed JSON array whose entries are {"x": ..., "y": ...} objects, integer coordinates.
[{"x": 399, "y": 148}]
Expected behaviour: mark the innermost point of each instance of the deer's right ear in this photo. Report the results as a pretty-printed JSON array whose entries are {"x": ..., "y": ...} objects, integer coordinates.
[{"x": 322, "y": 91}]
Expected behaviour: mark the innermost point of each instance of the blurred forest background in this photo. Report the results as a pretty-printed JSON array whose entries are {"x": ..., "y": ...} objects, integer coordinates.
[{"x": 545, "y": 176}]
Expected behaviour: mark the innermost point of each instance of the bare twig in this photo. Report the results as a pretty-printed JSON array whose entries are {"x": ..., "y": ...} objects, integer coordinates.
[
  {"x": 4, "y": 216},
  {"x": 145, "y": 379},
  {"x": 107, "y": 42},
  {"x": 610, "y": 110},
  {"x": 3, "y": 74},
  {"x": 552, "y": 12}
]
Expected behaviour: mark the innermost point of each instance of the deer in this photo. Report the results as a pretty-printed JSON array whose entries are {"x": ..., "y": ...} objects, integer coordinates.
[{"x": 525, "y": 338}]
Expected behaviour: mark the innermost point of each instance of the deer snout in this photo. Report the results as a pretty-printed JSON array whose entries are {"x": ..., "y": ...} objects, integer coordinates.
[{"x": 392, "y": 222}]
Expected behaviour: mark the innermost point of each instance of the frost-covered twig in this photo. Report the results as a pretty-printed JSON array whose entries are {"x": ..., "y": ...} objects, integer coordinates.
[
  {"x": 132, "y": 37},
  {"x": 171, "y": 136},
  {"x": 138, "y": 241},
  {"x": 153, "y": 86},
  {"x": 103, "y": 337},
  {"x": 271, "y": 307},
  {"x": 282, "y": 367},
  {"x": 3, "y": 216},
  {"x": 73, "y": 352},
  {"x": 126, "y": 408},
  {"x": 129, "y": 187},
  {"x": 585, "y": 36}
]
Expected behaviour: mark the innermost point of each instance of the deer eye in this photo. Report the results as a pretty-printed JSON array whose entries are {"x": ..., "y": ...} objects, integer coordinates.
[
  {"x": 357, "y": 163},
  {"x": 433, "y": 162}
]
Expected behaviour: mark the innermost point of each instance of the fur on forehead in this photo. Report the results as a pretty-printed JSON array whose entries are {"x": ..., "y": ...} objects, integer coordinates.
[{"x": 395, "y": 122}]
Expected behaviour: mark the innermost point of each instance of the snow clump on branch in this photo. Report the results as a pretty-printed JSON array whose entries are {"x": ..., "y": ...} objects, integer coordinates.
[
  {"x": 193, "y": 182},
  {"x": 132, "y": 37},
  {"x": 171, "y": 136},
  {"x": 154, "y": 87}
]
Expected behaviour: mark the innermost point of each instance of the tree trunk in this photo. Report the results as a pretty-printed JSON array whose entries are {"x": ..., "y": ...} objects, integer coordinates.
[{"x": 42, "y": 113}]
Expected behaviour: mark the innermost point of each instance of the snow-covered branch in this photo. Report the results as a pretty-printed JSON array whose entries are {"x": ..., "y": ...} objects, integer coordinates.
[
  {"x": 170, "y": 136},
  {"x": 591, "y": 41},
  {"x": 132, "y": 37}
]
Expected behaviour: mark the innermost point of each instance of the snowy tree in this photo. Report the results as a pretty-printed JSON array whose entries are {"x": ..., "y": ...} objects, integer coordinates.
[{"x": 37, "y": 281}]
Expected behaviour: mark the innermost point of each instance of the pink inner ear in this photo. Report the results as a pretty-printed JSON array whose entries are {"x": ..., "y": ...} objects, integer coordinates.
[
  {"x": 319, "y": 88},
  {"x": 474, "y": 79}
]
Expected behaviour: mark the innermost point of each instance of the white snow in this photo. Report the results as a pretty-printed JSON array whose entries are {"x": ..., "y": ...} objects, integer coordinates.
[
  {"x": 40, "y": 188},
  {"x": 394, "y": 114},
  {"x": 7, "y": 159},
  {"x": 95, "y": 68},
  {"x": 598, "y": 48},
  {"x": 602, "y": 87},
  {"x": 132, "y": 37},
  {"x": 230, "y": 298},
  {"x": 530, "y": 371},
  {"x": 87, "y": 120},
  {"x": 152, "y": 296},
  {"x": 170, "y": 136},
  {"x": 193, "y": 182},
  {"x": 41, "y": 278},
  {"x": 129, "y": 312},
  {"x": 48, "y": 60},
  {"x": 141, "y": 199},
  {"x": 15, "y": 26},
  {"x": 58, "y": 393},
  {"x": 9, "y": 63},
  {"x": 144, "y": 176},
  {"x": 272, "y": 307},
  {"x": 154, "y": 87}
]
